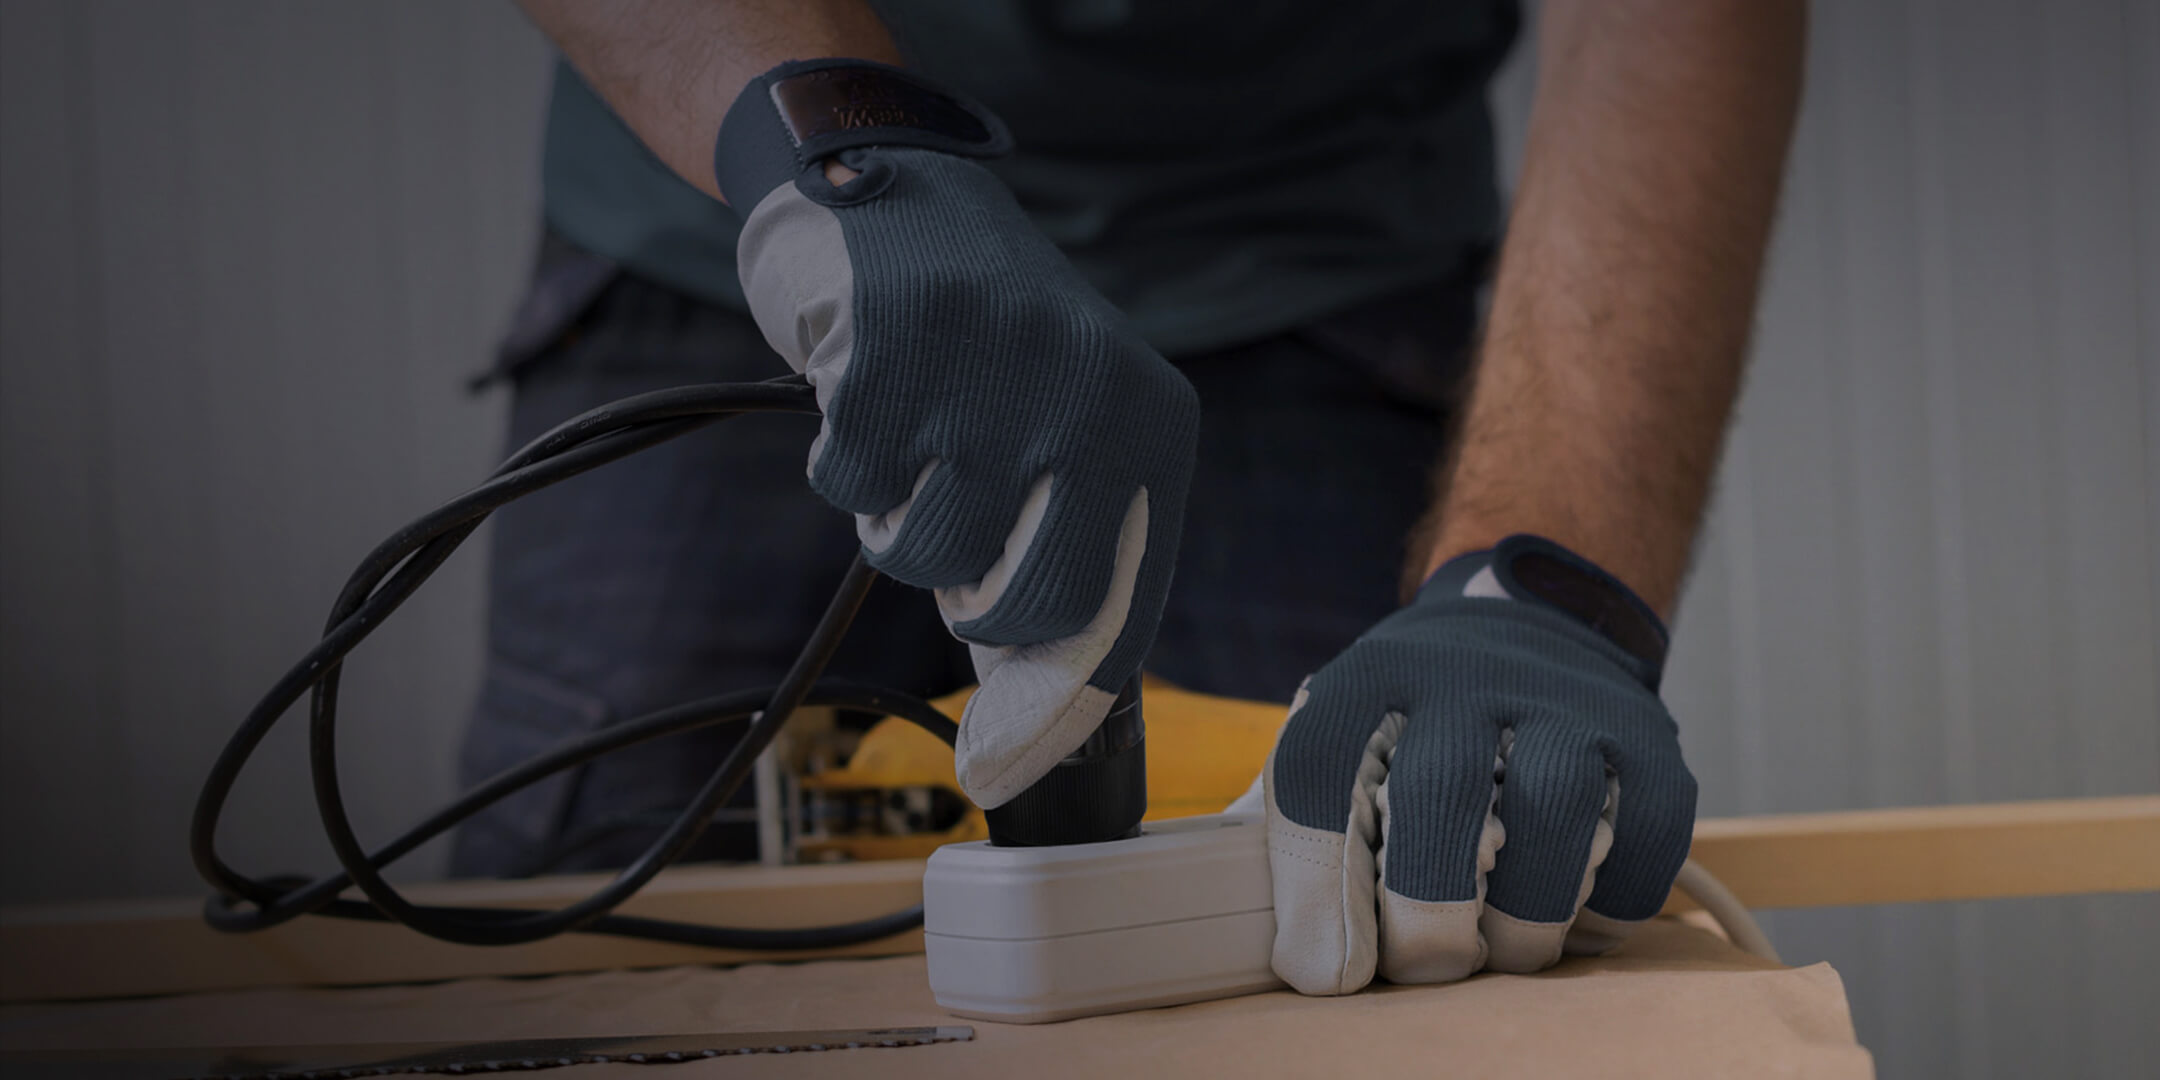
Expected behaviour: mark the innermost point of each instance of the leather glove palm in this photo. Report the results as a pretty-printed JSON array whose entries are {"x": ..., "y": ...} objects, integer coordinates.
[{"x": 1481, "y": 780}]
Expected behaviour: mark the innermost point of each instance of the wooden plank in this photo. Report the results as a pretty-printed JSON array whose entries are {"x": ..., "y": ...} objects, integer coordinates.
[
  {"x": 163, "y": 946},
  {"x": 2062, "y": 847},
  {"x": 2054, "y": 848}
]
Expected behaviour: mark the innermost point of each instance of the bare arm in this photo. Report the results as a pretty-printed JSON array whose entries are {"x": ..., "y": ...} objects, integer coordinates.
[
  {"x": 671, "y": 68},
  {"x": 1626, "y": 285}
]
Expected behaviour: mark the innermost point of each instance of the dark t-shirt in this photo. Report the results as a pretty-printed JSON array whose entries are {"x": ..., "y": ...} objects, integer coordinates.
[{"x": 1220, "y": 169}]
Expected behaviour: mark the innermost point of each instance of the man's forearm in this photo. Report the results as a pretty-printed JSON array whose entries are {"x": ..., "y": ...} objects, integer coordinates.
[
  {"x": 671, "y": 68},
  {"x": 1626, "y": 285}
]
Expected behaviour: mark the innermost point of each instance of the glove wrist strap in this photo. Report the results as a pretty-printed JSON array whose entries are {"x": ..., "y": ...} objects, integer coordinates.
[
  {"x": 791, "y": 118},
  {"x": 1538, "y": 571}
]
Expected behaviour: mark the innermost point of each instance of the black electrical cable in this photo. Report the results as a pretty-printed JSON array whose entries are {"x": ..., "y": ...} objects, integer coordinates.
[
  {"x": 395, "y": 569},
  {"x": 294, "y": 899},
  {"x": 553, "y": 457},
  {"x": 593, "y": 834}
]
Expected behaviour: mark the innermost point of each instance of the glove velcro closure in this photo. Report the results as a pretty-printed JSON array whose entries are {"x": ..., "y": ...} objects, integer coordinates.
[{"x": 790, "y": 118}]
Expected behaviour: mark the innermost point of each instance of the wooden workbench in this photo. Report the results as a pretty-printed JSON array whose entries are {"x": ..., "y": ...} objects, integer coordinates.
[
  {"x": 1675, "y": 1002},
  {"x": 2051, "y": 848}
]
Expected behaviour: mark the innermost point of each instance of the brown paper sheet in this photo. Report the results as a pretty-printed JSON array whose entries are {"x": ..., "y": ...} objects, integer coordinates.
[{"x": 1677, "y": 1001}]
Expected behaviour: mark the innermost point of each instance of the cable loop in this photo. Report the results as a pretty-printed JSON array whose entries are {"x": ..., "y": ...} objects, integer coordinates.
[{"x": 389, "y": 576}]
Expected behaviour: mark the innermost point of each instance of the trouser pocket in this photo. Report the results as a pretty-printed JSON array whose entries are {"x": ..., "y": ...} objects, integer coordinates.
[
  {"x": 566, "y": 286},
  {"x": 520, "y": 715}
]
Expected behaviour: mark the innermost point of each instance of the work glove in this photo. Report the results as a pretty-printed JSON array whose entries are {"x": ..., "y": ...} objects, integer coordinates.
[
  {"x": 1483, "y": 780},
  {"x": 1001, "y": 433}
]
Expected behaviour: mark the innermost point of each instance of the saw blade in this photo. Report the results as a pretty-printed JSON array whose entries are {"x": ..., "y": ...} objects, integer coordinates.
[{"x": 380, "y": 1059}]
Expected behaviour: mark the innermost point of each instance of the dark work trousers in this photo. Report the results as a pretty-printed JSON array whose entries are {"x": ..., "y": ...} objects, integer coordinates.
[{"x": 698, "y": 567}]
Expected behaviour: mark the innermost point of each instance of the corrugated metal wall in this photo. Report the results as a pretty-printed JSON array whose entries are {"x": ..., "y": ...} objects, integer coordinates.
[{"x": 249, "y": 250}]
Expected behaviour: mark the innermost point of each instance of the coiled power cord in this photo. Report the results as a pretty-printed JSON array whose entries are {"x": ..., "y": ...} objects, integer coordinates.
[{"x": 389, "y": 576}]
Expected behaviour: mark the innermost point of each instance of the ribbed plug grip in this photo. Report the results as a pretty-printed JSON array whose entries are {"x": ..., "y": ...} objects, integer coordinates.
[{"x": 1098, "y": 793}]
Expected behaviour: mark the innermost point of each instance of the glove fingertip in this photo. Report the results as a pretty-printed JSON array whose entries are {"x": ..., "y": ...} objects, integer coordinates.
[
  {"x": 1595, "y": 935},
  {"x": 1326, "y": 923},
  {"x": 1016, "y": 728}
]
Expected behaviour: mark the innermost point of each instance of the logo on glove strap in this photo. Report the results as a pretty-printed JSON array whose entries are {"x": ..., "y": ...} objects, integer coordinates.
[{"x": 831, "y": 101}]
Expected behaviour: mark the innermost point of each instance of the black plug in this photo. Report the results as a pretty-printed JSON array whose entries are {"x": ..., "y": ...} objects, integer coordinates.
[{"x": 1097, "y": 793}]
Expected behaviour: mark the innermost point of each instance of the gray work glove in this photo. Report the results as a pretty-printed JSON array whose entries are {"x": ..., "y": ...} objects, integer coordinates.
[
  {"x": 1483, "y": 780},
  {"x": 999, "y": 431}
]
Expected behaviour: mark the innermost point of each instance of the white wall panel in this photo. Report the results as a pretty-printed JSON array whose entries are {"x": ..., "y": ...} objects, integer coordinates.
[{"x": 1930, "y": 573}]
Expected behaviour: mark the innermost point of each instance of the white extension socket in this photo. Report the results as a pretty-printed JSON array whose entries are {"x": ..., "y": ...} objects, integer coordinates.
[{"x": 1024, "y": 935}]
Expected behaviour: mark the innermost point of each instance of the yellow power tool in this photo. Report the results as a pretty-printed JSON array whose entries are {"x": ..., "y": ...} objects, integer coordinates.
[{"x": 1204, "y": 751}]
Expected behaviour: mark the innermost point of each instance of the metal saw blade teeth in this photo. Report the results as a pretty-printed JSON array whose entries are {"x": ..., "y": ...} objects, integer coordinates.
[{"x": 446, "y": 1059}]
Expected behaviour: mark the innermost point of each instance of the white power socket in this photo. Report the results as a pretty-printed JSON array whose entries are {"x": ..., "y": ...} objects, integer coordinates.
[{"x": 1184, "y": 912}]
